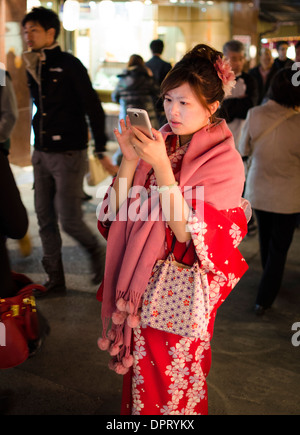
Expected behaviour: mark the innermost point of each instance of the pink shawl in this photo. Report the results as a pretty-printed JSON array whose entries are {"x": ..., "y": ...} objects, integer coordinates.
[{"x": 133, "y": 247}]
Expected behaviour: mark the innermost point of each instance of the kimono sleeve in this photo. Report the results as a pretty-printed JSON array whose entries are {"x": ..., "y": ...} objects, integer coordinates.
[{"x": 216, "y": 236}]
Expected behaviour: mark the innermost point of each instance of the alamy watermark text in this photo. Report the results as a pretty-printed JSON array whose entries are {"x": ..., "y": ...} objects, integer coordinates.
[{"x": 296, "y": 336}]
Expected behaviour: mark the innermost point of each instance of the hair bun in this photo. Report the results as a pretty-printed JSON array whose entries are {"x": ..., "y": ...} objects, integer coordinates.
[
  {"x": 203, "y": 51},
  {"x": 197, "y": 68}
]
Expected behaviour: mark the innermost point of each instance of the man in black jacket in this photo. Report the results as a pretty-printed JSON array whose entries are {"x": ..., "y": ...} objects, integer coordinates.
[
  {"x": 158, "y": 66},
  {"x": 62, "y": 92},
  {"x": 160, "y": 69},
  {"x": 282, "y": 61}
]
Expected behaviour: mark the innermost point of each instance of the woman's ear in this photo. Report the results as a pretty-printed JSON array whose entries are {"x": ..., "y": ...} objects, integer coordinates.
[{"x": 214, "y": 107}]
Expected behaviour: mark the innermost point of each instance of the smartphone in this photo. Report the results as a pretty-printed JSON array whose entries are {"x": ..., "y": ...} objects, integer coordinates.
[{"x": 139, "y": 118}]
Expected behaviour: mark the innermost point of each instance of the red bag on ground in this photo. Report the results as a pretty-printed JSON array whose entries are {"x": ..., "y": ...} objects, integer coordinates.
[{"x": 19, "y": 317}]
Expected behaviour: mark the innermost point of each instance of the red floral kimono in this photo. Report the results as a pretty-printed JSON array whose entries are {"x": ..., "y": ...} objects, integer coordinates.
[{"x": 169, "y": 372}]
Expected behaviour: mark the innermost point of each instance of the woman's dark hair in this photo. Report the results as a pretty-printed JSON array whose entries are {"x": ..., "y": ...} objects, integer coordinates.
[
  {"x": 136, "y": 60},
  {"x": 285, "y": 89},
  {"x": 46, "y": 18},
  {"x": 197, "y": 69}
]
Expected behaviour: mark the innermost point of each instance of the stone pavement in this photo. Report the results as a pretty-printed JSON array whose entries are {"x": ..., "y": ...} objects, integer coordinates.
[{"x": 255, "y": 368}]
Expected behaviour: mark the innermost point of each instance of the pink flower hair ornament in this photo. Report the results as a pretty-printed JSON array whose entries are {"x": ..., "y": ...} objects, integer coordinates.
[{"x": 225, "y": 74}]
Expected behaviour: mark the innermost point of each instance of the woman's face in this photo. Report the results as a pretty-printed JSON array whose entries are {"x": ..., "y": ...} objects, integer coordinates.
[{"x": 184, "y": 111}]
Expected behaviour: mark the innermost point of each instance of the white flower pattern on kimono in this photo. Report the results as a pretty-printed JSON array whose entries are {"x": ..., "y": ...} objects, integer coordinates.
[
  {"x": 181, "y": 376},
  {"x": 215, "y": 285},
  {"x": 235, "y": 233},
  {"x": 186, "y": 379},
  {"x": 232, "y": 280},
  {"x": 198, "y": 230},
  {"x": 137, "y": 404}
]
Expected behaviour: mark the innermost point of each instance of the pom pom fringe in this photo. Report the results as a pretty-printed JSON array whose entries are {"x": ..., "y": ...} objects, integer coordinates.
[
  {"x": 133, "y": 321},
  {"x": 127, "y": 361},
  {"x": 121, "y": 304},
  {"x": 114, "y": 350},
  {"x": 103, "y": 343},
  {"x": 120, "y": 369},
  {"x": 118, "y": 318}
]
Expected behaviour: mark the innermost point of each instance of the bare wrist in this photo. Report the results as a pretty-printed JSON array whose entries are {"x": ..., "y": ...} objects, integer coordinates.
[{"x": 162, "y": 166}]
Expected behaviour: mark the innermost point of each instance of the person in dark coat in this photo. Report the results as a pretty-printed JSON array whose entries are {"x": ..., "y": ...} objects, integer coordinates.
[
  {"x": 158, "y": 66},
  {"x": 263, "y": 73},
  {"x": 136, "y": 89},
  {"x": 13, "y": 215},
  {"x": 13, "y": 223},
  {"x": 8, "y": 118},
  {"x": 282, "y": 61},
  {"x": 160, "y": 69},
  {"x": 63, "y": 94}
]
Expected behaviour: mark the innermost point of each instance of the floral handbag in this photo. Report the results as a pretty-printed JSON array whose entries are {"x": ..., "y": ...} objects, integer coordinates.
[{"x": 177, "y": 298}]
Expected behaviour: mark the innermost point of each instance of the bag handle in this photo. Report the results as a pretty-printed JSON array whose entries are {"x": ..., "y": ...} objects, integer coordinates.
[
  {"x": 185, "y": 252},
  {"x": 173, "y": 245}
]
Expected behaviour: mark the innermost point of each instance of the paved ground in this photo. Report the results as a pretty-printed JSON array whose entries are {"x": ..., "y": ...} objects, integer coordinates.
[{"x": 255, "y": 367}]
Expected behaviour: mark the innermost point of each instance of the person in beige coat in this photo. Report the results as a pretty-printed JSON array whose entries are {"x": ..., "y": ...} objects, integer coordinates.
[{"x": 270, "y": 139}]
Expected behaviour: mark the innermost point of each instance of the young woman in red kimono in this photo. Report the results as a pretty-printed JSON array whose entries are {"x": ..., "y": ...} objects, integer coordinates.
[{"x": 165, "y": 373}]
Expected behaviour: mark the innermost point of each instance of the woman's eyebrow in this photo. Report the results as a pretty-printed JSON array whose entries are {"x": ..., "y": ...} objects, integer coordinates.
[{"x": 179, "y": 97}]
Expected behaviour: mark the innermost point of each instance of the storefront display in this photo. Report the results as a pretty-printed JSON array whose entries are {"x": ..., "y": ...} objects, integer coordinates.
[{"x": 103, "y": 35}]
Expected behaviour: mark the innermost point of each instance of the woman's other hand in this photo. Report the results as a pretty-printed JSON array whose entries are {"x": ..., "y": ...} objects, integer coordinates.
[{"x": 125, "y": 140}]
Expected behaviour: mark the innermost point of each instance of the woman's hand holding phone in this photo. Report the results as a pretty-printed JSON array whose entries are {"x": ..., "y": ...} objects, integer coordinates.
[
  {"x": 135, "y": 144},
  {"x": 152, "y": 151},
  {"x": 124, "y": 139},
  {"x": 148, "y": 142}
]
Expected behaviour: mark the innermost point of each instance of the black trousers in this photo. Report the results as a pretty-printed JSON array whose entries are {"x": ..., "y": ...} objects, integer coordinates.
[{"x": 275, "y": 237}]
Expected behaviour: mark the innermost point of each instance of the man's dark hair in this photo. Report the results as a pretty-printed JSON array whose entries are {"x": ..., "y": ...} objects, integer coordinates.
[
  {"x": 282, "y": 89},
  {"x": 46, "y": 18},
  {"x": 279, "y": 43},
  {"x": 157, "y": 46}
]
